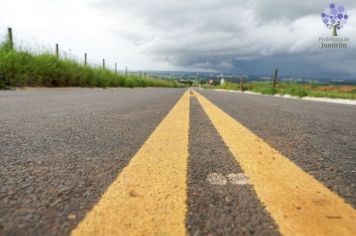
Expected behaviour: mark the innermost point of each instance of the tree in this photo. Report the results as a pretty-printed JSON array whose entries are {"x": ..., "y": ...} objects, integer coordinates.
[{"x": 334, "y": 18}]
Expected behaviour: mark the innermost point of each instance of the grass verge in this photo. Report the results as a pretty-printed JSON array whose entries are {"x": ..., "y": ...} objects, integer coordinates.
[
  {"x": 21, "y": 68},
  {"x": 295, "y": 89}
]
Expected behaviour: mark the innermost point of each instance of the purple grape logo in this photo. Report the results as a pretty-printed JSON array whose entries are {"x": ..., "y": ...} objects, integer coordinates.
[{"x": 334, "y": 17}]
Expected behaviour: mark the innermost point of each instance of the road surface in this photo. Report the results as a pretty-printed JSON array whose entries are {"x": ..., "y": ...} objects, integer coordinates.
[{"x": 174, "y": 162}]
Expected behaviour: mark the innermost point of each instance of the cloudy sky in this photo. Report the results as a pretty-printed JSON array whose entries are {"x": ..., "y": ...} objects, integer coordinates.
[{"x": 242, "y": 36}]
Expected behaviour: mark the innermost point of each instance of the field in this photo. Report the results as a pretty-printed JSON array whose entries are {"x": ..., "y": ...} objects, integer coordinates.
[
  {"x": 20, "y": 68},
  {"x": 295, "y": 89}
]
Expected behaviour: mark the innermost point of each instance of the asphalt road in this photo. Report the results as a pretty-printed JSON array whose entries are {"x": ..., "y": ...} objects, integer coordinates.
[
  {"x": 60, "y": 149},
  {"x": 215, "y": 208},
  {"x": 319, "y": 137}
]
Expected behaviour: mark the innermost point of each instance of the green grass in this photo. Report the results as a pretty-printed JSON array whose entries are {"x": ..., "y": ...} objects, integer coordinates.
[
  {"x": 294, "y": 89},
  {"x": 22, "y": 68},
  {"x": 332, "y": 94},
  {"x": 229, "y": 86}
]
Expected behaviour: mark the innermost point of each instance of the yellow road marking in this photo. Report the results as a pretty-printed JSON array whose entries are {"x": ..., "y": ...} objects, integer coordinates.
[
  {"x": 149, "y": 196},
  {"x": 299, "y": 204}
]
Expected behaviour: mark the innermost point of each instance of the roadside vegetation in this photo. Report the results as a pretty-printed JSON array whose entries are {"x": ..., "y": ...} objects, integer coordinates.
[
  {"x": 20, "y": 68},
  {"x": 294, "y": 89}
]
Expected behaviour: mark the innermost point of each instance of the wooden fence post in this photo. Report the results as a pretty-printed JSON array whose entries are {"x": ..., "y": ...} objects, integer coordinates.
[
  {"x": 275, "y": 77},
  {"x": 85, "y": 59},
  {"x": 10, "y": 38},
  {"x": 103, "y": 63},
  {"x": 57, "y": 50},
  {"x": 241, "y": 83}
]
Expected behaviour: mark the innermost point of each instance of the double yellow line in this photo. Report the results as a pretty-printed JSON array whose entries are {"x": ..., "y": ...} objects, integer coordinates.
[{"x": 149, "y": 195}]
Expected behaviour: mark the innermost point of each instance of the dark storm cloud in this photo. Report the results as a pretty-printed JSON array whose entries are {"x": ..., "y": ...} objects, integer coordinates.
[{"x": 229, "y": 35}]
